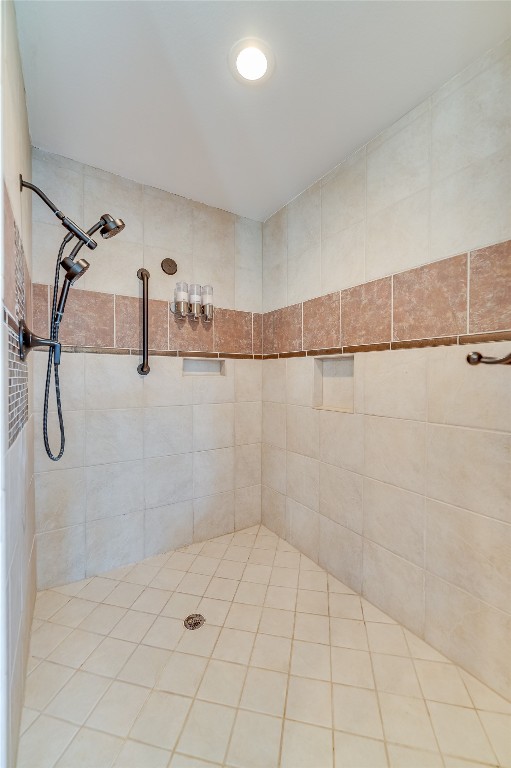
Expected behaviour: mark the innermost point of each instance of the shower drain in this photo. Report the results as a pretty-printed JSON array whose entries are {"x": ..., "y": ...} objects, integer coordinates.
[{"x": 194, "y": 621}]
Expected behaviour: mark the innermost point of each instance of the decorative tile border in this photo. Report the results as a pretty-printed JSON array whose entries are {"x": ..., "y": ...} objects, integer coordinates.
[{"x": 459, "y": 300}]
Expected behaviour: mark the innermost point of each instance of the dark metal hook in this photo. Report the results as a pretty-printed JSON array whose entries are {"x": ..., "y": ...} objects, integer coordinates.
[{"x": 474, "y": 358}]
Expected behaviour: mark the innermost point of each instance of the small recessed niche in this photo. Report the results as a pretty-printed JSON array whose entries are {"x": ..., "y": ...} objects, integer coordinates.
[
  {"x": 334, "y": 383},
  {"x": 203, "y": 366}
]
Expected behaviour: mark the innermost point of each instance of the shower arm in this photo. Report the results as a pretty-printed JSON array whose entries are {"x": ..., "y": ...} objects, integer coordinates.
[{"x": 74, "y": 229}]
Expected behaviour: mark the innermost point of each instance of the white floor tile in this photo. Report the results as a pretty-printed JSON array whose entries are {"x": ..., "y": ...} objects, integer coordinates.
[
  {"x": 306, "y": 746},
  {"x": 222, "y": 683},
  {"x": 245, "y": 751},
  {"x": 280, "y": 673},
  {"x": 207, "y": 731},
  {"x": 161, "y": 719}
]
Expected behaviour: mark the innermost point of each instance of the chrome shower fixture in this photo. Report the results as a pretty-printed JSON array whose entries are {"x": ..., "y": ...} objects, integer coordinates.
[{"x": 74, "y": 269}]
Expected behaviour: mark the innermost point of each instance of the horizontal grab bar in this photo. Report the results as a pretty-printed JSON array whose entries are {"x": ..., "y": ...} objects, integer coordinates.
[{"x": 474, "y": 358}]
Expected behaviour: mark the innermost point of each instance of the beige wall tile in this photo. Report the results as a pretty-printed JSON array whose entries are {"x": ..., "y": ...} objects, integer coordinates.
[
  {"x": 466, "y": 395},
  {"x": 247, "y": 507},
  {"x": 303, "y": 480},
  {"x": 113, "y": 435},
  {"x": 274, "y": 381},
  {"x": 395, "y": 383},
  {"x": 61, "y": 556},
  {"x": 248, "y": 265},
  {"x": 303, "y": 524},
  {"x": 394, "y": 585},
  {"x": 213, "y": 516},
  {"x": 247, "y": 467},
  {"x": 395, "y": 452},
  {"x": 168, "y": 527},
  {"x": 462, "y": 134},
  {"x": 114, "y": 541},
  {"x": 470, "y": 469},
  {"x": 213, "y": 426},
  {"x": 274, "y": 424},
  {"x": 275, "y": 261},
  {"x": 340, "y": 496},
  {"x": 398, "y": 236},
  {"x": 455, "y": 538},
  {"x": 343, "y": 258},
  {"x": 469, "y": 630},
  {"x": 213, "y": 472},
  {"x": 340, "y": 552},
  {"x": 111, "y": 381},
  {"x": 248, "y": 377},
  {"x": 302, "y": 430},
  {"x": 247, "y": 423},
  {"x": 299, "y": 384},
  {"x": 395, "y": 519},
  {"x": 168, "y": 479},
  {"x": 168, "y": 430},
  {"x": 274, "y": 467},
  {"x": 342, "y": 440},
  {"x": 399, "y": 165},
  {"x": 213, "y": 252},
  {"x": 273, "y": 511},
  {"x": 343, "y": 193},
  {"x": 470, "y": 208},
  {"x": 60, "y": 499},
  {"x": 114, "y": 489}
]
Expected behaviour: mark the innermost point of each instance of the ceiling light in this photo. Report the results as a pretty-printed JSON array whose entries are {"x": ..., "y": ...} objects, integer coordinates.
[{"x": 251, "y": 60}]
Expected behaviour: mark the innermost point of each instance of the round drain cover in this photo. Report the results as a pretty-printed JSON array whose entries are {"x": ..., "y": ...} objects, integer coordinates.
[{"x": 194, "y": 621}]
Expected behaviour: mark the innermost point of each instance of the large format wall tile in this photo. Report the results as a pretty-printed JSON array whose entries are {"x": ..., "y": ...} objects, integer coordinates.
[
  {"x": 213, "y": 516},
  {"x": 366, "y": 313},
  {"x": 470, "y": 468},
  {"x": 322, "y": 322},
  {"x": 431, "y": 300},
  {"x": 275, "y": 261},
  {"x": 340, "y": 496},
  {"x": 168, "y": 479},
  {"x": 248, "y": 264},
  {"x": 233, "y": 331},
  {"x": 303, "y": 524},
  {"x": 303, "y": 480},
  {"x": 343, "y": 195},
  {"x": 395, "y": 452},
  {"x": 394, "y": 585},
  {"x": 114, "y": 541},
  {"x": 470, "y": 631},
  {"x": 114, "y": 489},
  {"x": 302, "y": 430},
  {"x": 168, "y": 527},
  {"x": 395, "y": 519},
  {"x": 456, "y": 538},
  {"x": 60, "y": 499},
  {"x": 340, "y": 552},
  {"x": 113, "y": 435},
  {"x": 490, "y": 288},
  {"x": 342, "y": 440},
  {"x": 60, "y": 556},
  {"x": 466, "y": 395},
  {"x": 395, "y": 384},
  {"x": 343, "y": 258}
]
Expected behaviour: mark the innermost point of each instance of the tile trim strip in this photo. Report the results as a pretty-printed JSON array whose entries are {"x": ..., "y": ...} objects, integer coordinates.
[{"x": 281, "y": 328}]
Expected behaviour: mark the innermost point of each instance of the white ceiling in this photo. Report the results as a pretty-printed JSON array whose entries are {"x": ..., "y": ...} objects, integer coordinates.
[{"x": 143, "y": 88}]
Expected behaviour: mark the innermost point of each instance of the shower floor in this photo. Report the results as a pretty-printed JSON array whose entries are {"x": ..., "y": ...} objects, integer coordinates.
[{"x": 291, "y": 668}]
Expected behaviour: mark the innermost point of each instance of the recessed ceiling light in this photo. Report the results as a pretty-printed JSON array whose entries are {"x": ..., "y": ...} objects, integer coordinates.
[{"x": 251, "y": 60}]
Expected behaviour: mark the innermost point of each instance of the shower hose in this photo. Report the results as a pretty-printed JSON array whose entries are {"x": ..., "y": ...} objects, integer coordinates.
[{"x": 54, "y": 335}]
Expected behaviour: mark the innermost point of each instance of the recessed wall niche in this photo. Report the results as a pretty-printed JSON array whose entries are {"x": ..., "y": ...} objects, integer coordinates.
[
  {"x": 334, "y": 383},
  {"x": 203, "y": 366}
]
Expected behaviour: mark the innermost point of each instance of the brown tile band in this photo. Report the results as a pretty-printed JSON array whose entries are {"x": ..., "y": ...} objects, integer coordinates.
[{"x": 464, "y": 299}]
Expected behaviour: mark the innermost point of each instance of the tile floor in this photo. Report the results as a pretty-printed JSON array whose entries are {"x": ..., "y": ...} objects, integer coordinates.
[{"x": 290, "y": 669}]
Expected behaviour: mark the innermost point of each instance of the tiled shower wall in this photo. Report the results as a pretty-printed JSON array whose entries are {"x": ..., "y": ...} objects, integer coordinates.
[
  {"x": 152, "y": 462},
  {"x": 17, "y": 440},
  {"x": 407, "y": 498}
]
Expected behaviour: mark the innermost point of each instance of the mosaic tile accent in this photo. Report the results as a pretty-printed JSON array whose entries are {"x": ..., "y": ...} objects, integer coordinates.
[
  {"x": 18, "y": 387},
  {"x": 17, "y": 370}
]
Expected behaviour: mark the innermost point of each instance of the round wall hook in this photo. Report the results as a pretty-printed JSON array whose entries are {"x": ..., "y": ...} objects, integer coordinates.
[{"x": 169, "y": 266}]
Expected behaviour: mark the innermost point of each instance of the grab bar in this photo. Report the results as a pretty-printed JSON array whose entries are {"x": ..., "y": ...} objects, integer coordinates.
[
  {"x": 143, "y": 368},
  {"x": 474, "y": 358}
]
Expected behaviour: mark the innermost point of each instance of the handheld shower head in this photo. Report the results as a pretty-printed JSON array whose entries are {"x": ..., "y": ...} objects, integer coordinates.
[
  {"x": 111, "y": 226},
  {"x": 74, "y": 271}
]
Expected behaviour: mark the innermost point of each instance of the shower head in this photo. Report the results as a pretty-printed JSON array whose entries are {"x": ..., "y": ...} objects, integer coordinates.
[
  {"x": 74, "y": 271},
  {"x": 111, "y": 226}
]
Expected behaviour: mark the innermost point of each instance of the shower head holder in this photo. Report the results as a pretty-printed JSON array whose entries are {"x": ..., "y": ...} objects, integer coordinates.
[{"x": 28, "y": 340}]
